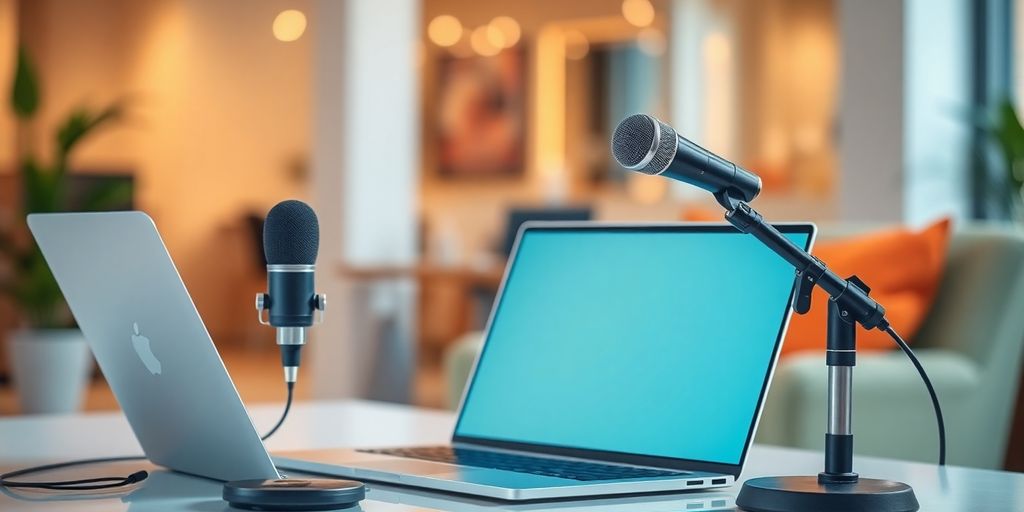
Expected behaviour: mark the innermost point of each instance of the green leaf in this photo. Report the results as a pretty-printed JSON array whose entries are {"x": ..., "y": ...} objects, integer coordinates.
[
  {"x": 107, "y": 196},
  {"x": 25, "y": 89},
  {"x": 78, "y": 126},
  {"x": 38, "y": 294},
  {"x": 43, "y": 191},
  {"x": 1010, "y": 134}
]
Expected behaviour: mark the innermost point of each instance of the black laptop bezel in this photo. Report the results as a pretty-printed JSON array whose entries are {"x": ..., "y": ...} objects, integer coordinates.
[{"x": 621, "y": 457}]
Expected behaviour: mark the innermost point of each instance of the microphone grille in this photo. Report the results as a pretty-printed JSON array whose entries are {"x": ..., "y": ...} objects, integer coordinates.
[
  {"x": 291, "y": 234},
  {"x": 642, "y": 143}
]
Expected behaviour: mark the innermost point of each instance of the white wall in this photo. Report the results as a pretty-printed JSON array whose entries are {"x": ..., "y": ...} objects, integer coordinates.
[
  {"x": 871, "y": 134},
  {"x": 937, "y": 95},
  {"x": 904, "y": 142},
  {"x": 366, "y": 160}
]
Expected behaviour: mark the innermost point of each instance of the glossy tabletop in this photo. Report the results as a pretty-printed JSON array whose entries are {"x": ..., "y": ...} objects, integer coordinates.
[{"x": 313, "y": 425}]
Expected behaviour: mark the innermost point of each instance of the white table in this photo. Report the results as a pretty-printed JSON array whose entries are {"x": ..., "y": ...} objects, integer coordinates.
[{"x": 313, "y": 425}]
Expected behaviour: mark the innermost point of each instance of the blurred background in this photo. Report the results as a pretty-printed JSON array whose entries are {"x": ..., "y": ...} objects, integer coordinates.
[{"x": 425, "y": 131}]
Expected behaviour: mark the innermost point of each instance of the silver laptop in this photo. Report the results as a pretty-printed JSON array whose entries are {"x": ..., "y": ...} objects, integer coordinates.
[
  {"x": 151, "y": 344},
  {"x": 618, "y": 359}
]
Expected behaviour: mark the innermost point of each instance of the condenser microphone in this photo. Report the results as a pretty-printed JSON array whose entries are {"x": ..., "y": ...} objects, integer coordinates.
[
  {"x": 291, "y": 239},
  {"x": 644, "y": 144}
]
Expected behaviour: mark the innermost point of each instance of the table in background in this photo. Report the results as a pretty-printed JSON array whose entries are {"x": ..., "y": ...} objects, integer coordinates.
[{"x": 312, "y": 425}]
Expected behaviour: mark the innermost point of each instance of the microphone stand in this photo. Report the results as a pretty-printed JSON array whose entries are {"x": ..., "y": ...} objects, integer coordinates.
[{"x": 838, "y": 487}]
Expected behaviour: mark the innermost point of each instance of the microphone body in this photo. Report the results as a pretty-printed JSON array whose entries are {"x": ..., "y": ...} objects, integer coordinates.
[
  {"x": 291, "y": 238},
  {"x": 644, "y": 144},
  {"x": 292, "y": 293}
]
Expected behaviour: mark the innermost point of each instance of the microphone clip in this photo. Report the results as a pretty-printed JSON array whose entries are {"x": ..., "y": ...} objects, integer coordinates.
[{"x": 318, "y": 303}]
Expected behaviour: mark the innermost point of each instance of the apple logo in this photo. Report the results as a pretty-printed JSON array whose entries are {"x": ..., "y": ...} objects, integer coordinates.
[{"x": 142, "y": 347}]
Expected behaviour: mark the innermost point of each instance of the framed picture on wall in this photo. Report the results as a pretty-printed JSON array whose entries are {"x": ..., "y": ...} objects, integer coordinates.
[{"x": 480, "y": 121}]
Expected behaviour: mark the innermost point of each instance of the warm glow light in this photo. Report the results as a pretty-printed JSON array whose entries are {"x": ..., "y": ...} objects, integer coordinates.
[
  {"x": 716, "y": 49},
  {"x": 481, "y": 43},
  {"x": 638, "y": 12},
  {"x": 444, "y": 30},
  {"x": 549, "y": 89},
  {"x": 289, "y": 25},
  {"x": 503, "y": 32},
  {"x": 495, "y": 37},
  {"x": 719, "y": 92},
  {"x": 652, "y": 41},
  {"x": 576, "y": 45}
]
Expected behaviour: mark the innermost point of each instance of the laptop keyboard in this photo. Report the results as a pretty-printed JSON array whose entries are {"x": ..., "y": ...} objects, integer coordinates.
[{"x": 559, "y": 468}]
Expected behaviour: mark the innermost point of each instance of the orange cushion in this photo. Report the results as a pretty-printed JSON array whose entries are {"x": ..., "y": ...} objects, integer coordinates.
[
  {"x": 702, "y": 214},
  {"x": 903, "y": 269}
]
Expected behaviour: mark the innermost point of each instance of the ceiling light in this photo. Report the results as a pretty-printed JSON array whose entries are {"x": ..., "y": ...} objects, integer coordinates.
[
  {"x": 444, "y": 30},
  {"x": 481, "y": 43},
  {"x": 638, "y": 12},
  {"x": 503, "y": 32},
  {"x": 289, "y": 25}
]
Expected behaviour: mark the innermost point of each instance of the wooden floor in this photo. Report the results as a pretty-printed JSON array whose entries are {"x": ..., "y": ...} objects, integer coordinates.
[{"x": 257, "y": 374}]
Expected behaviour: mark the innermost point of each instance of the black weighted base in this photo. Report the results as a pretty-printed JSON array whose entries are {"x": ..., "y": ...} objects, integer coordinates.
[
  {"x": 804, "y": 493},
  {"x": 298, "y": 494}
]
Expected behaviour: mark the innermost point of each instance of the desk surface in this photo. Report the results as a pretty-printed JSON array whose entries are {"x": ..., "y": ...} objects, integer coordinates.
[{"x": 35, "y": 440}]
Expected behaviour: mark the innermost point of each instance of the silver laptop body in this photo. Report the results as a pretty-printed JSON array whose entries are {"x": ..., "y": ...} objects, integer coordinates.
[
  {"x": 151, "y": 344},
  {"x": 393, "y": 466}
]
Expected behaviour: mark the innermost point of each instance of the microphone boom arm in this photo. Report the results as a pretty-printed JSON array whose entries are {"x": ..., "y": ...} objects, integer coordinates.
[{"x": 850, "y": 295}]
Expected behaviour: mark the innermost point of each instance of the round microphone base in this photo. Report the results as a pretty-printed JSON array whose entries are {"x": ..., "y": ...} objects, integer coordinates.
[
  {"x": 805, "y": 493},
  {"x": 297, "y": 494}
]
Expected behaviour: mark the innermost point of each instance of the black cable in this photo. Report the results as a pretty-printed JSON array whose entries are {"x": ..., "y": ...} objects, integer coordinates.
[
  {"x": 90, "y": 484},
  {"x": 287, "y": 407},
  {"x": 931, "y": 391},
  {"x": 93, "y": 484}
]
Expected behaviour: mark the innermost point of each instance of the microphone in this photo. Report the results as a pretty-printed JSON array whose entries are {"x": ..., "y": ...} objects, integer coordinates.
[
  {"x": 644, "y": 144},
  {"x": 291, "y": 239}
]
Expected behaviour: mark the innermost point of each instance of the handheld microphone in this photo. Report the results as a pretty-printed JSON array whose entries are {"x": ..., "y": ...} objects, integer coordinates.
[
  {"x": 644, "y": 144},
  {"x": 291, "y": 238}
]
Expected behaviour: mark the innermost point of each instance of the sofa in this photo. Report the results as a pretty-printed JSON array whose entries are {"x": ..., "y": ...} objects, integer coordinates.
[{"x": 970, "y": 343}]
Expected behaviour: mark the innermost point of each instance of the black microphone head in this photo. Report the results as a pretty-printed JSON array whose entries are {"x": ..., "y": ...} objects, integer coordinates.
[
  {"x": 644, "y": 144},
  {"x": 291, "y": 234}
]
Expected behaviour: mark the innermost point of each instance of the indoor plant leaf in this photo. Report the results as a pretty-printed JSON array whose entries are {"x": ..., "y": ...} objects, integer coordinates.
[
  {"x": 77, "y": 126},
  {"x": 25, "y": 90},
  {"x": 107, "y": 196},
  {"x": 1010, "y": 134},
  {"x": 43, "y": 191}
]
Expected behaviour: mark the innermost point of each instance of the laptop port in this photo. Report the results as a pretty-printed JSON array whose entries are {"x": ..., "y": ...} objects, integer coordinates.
[
  {"x": 718, "y": 481},
  {"x": 694, "y": 482}
]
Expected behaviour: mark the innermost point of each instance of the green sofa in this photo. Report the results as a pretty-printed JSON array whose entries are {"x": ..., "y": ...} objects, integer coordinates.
[{"x": 971, "y": 345}]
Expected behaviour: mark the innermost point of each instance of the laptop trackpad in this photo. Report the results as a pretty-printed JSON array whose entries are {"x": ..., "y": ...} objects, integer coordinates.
[{"x": 409, "y": 467}]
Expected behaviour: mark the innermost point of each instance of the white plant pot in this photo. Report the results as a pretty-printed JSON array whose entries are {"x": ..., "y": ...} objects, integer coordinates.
[{"x": 50, "y": 369}]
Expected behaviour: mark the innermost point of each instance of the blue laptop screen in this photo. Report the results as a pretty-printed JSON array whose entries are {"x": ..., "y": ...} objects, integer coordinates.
[{"x": 644, "y": 341}]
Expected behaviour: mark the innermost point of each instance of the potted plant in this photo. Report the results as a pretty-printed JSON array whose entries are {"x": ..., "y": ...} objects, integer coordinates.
[
  {"x": 48, "y": 357},
  {"x": 1005, "y": 133}
]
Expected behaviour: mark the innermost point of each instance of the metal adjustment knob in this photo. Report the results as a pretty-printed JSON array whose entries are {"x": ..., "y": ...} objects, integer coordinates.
[
  {"x": 262, "y": 304},
  {"x": 320, "y": 304}
]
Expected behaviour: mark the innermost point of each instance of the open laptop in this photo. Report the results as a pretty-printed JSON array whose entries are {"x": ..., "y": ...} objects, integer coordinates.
[{"x": 619, "y": 359}]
